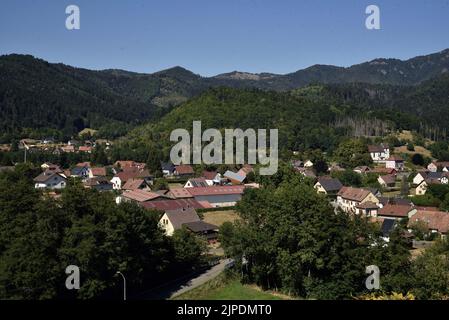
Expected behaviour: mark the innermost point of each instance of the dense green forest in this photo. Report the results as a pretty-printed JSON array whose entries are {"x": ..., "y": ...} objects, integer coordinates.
[
  {"x": 289, "y": 238},
  {"x": 41, "y": 236},
  {"x": 40, "y": 99}
]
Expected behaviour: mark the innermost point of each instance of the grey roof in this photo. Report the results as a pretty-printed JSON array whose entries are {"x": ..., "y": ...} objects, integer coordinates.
[
  {"x": 179, "y": 217},
  {"x": 43, "y": 177},
  {"x": 330, "y": 184},
  {"x": 398, "y": 201},
  {"x": 200, "y": 226},
  {"x": 198, "y": 182},
  {"x": 168, "y": 166},
  {"x": 434, "y": 175},
  {"x": 234, "y": 176},
  {"x": 387, "y": 226},
  {"x": 77, "y": 171}
]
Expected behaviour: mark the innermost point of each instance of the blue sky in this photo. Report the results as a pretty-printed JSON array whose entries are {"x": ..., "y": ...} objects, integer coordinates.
[{"x": 211, "y": 37}]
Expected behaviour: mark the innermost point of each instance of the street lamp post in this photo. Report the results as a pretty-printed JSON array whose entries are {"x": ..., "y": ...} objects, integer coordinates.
[{"x": 124, "y": 284}]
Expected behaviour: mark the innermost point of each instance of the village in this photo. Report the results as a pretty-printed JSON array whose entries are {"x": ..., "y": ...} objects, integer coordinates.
[{"x": 194, "y": 200}]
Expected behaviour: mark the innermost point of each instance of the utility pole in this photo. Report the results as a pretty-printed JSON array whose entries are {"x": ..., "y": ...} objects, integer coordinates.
[
  {"x": 124, "y": 284},
  {"x": 25, "y": 147}
]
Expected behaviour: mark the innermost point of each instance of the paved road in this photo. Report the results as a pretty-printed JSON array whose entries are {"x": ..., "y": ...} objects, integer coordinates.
[
  {"x": 184, "y": 284},
  {"x": 202, "y": 278}
]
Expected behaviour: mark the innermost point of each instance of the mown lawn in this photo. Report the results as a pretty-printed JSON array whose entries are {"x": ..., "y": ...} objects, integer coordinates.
[{"x": 222, "y": 289}]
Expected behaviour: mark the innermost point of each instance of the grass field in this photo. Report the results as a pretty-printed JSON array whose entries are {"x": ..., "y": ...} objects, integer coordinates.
[
  {"x": 219, "y": 217},
  {"x": 418, "y": 149},
  {"x": 222, "y": 289}
]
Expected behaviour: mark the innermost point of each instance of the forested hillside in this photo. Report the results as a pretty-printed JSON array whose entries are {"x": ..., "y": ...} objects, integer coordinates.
[{"x": 38, "y": 98}]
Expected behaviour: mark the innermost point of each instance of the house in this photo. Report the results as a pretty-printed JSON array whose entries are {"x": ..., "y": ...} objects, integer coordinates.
[
  {"x": 308, "y": 164},
  {"x": 84, "y": 164},
  {"x": 122, "y": 164},
  {"x": 367, "y": 209},
  {"x": 212, "y": 177},
  {"x": 383, "y": 201},
  {"x": 442, "y": 177},
  {"x": 68, "y": 149},
  {"x": 139, "y": 196},
  {"x": 86, "y": 149},
  {"x": 245, "y": 170},
  {"x": 183, "y": 170},
  {"x": 47, "y": 165},
  {"x": 435, "y": 221},
  {"x": 98, "y": 183},
  {"x": 217, "y": 196},
  {"x": 179, "y": 193},
  {"x": 168, "y": 169},
  {"x": 203, "y": 229},
  {"x": 387, "y": 181},
  {"x": 51, "y": 168},
  {"x": 362, "y": 169},
  {"x": 439, "y": 166},
  {"x": 136, "y": 184},
  {"x": 349, "y": 198},
  {"x": 80, "y": 172},
  {"x": 196, "y": 182},
  {"x": 73, "y": 143},
  {"x": 122, "y": 177},
  {"x": 234, "y": 178},
  {"x": 172, "y": 204},
  {"x": 297, "y": 164},
  {"x": 379, "y": 153},
  {"x": 421, "y": 189},
  {"x": 48, "y": 140},
  {"x": 420, "y": 177},
  {"x": 173, "y": 220},
  {"x": 97, "y": 172},
  {"x": 396, "y": 211},
  {"x": 384, "y": 171},
  {"x": 309, "y": 173},
  {"x": 328, "y": 185},
  {"x": 50, "y": 180},
  {"x": 335, "y": 168},
  {"x": 395, "y": 162}
]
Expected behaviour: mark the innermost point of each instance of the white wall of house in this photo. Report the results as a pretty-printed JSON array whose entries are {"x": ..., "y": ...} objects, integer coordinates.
[
  {"x": 418, "y": 179},
  {"x": 432, "y": 167},
  {"x": 116, "y": 183},
  {"x": 398, "y": 165},
  {"x": 166, "y": 224},
  {"x": 421, "y": 189},
  {"x": 57, "y": 182},
  {"x": 380, "y": 156},
  {"x": 350, "y": 206},
  {"x": 319, "y": 188}
]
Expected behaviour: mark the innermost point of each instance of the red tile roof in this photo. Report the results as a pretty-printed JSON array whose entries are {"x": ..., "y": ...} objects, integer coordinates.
[
  {"x": 140, "y": 195},
  {"x": 184, "y": 169},
  {"x": 216, "y": 190},
  {"x": 435, "y": 220},
  {"x": 163, "y": 205},
  {"x": 355, "y": 194},
  {"x": 395, "y": 210},
  {"x": 98, "y": 172},
  {"x": 388, "y": 179},
  {"x": 179, "y": 193},
  {"x": 85, "y": 148},
  {"x": 133, "y": 184},
  {"x": 395, "y": 158},
  {"x": 209, "y": 175}
]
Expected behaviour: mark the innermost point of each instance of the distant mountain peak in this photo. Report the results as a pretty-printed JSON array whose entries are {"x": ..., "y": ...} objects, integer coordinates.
[{"x": 177, "y": 71}]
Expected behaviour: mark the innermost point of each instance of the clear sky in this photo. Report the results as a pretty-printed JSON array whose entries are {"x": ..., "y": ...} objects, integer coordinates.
[{"x": 215, "y": 36}]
